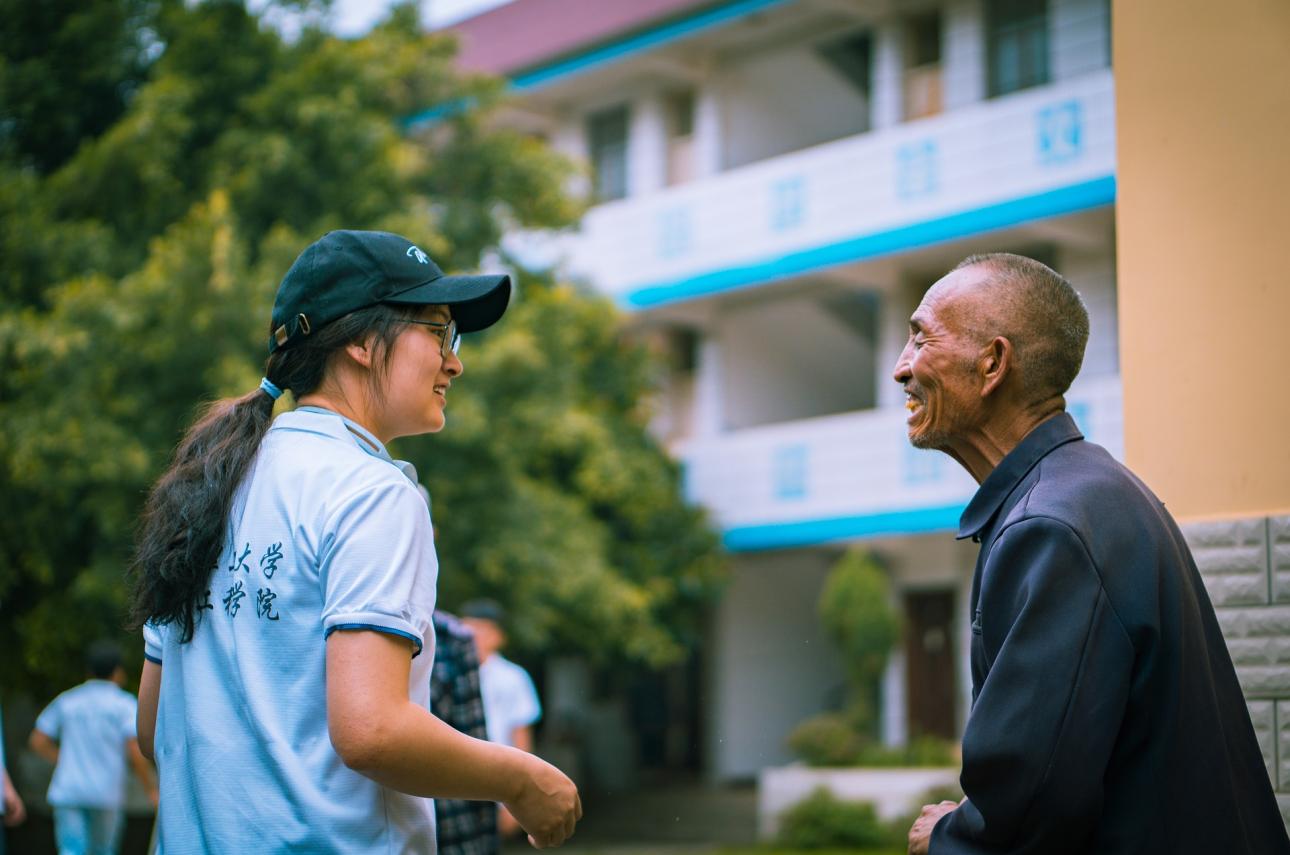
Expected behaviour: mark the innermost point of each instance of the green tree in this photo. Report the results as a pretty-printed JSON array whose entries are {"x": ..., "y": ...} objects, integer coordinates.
[
  {"x": 550, "y": 494},
  {"x": 67, "y": 70},
  {"x": 855, "y": 609},
  {"x": 136, "y": 279}
]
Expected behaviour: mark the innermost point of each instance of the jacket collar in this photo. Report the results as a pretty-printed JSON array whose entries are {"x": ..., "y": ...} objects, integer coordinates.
[{"x": 1016, "y": 464}]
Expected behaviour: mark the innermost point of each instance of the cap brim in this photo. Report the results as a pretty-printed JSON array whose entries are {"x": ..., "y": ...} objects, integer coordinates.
[{"x": 477, "y": 302}]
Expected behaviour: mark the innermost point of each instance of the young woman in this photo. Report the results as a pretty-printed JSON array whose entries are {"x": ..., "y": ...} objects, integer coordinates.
[{"x": 285, "y": 581}]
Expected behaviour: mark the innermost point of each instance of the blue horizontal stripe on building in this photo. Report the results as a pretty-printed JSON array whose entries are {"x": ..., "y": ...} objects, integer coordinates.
[
  {"x": 1014, "y": 212},
  {"x": 814, "y": 532}
]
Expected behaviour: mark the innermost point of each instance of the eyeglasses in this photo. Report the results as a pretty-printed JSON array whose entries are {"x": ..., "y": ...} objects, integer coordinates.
[{"x": 449, "y": 338}]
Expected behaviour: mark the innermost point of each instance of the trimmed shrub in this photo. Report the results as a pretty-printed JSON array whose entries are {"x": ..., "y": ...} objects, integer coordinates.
[
  {"x": 923, "y": 751},
  {"x": 823, "y": 821},
  {"x": 832, "y": 740},
  {"x": 826, "y": 740}
]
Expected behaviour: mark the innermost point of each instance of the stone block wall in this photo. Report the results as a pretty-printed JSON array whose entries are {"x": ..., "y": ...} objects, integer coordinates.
[{"x": 1246, "y": 567}]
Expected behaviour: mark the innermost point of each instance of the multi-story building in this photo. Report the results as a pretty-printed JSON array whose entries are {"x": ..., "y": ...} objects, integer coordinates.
[{"x": 777, "y": 182}]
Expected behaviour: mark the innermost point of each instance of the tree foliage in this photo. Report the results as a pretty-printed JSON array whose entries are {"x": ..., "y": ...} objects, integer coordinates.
[
  {"x": 138, "y": 263},
  {"x": 855, "y": 609},
  {"x": 547, "y": 442}
]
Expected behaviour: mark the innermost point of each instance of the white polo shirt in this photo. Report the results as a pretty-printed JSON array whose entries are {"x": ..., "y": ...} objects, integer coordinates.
[
  {"x": 91, "y": 724},
  {"x": 327, "y": 533},
  {"x": 510, "y": 699}
]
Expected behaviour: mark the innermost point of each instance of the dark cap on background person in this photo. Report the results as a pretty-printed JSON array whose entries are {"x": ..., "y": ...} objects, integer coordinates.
[{"x": 484, "y": 609}]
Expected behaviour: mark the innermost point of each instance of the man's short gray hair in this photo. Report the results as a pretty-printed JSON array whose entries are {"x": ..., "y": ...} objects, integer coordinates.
[{"x": 1036, "y": 309}]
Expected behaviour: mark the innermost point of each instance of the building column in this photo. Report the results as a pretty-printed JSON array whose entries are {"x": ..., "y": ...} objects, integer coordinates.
[
  {"x": 708, "y": 417},
  {"x": 707, "y": 132},
  {"x": 888, "y": 75},
  {"x": 964, "y": 53},
  {"x": 647, "y": 146}
]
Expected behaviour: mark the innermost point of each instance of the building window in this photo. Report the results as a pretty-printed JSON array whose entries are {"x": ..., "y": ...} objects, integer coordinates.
[
  {"x": 787, "y": 203},
  {"x": 679, "y": 115},
  {"x": 1017, "y": 43},
  {"x": 674, "y": 233},
  {"x": 922, "y": 82},
  {"x": 851, "y": 57},
  {"x": 607, "y": 144}
]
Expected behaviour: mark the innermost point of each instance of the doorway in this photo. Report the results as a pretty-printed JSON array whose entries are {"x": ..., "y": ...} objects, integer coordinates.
[{"x": 931, "y": 664}]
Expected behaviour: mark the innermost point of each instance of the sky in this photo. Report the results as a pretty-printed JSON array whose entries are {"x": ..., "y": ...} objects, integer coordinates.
[
  {"x": 355, "y": 17},
  {"x": 350, "y": 18}
]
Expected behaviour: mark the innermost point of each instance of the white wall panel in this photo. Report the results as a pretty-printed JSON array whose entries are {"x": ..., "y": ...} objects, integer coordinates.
[
  {"x": 991, "y": 153},
  {"x": 852, "y": 465}
]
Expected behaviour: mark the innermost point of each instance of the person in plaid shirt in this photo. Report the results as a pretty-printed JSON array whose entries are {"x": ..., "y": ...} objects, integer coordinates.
[{"x": 464, "y": 828}]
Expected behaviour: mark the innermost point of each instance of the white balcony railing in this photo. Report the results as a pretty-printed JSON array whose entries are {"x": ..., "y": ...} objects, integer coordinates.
[
  {"x": 850, "y": 475},
  {"x": 1037, "y": 153}
]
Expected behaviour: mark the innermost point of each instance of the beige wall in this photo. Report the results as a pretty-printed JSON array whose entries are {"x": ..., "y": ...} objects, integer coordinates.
[{"x": 1203, "y": 220}]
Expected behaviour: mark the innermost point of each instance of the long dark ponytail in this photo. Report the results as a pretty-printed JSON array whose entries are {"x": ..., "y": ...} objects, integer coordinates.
[{"x": 186, "y": 517}]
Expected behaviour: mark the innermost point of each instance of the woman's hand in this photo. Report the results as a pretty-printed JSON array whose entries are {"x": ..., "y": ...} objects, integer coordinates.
[{"x": 548, "y": 806}]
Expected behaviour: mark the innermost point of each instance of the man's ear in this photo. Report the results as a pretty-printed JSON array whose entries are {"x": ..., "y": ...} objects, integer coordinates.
[{"x": 995, "y": 364}]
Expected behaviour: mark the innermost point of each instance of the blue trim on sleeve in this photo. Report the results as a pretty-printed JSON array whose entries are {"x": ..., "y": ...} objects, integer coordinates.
[
  {"x": 152, "y": 658},
  {"x": 376, "y": 628}
]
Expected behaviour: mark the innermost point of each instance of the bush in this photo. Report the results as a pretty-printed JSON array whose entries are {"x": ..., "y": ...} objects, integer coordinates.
[
  {"x": 823, "y": 821},
  {"x": 826, "y": 740},
  {"x": 923, "y": 751},
  {"x": 832, "y": 739}
]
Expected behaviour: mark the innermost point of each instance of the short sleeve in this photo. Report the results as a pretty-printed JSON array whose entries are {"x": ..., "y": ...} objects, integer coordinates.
[
  {"x": 527, "y": 707},
  {"x": 50, "y": 720},
  {"x": 378, "y": 568},
  {"x": 153, "y": 642}
]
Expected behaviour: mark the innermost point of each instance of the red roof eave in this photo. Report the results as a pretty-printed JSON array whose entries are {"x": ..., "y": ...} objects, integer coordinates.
[{"x": 526, "y": 33}]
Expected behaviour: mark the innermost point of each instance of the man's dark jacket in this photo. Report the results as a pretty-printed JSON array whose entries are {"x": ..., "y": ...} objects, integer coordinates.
[{"x": 1106, "y": 713}]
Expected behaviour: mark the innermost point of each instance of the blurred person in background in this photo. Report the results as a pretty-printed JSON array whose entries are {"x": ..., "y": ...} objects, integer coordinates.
[
  {"x": 88, "y": 733},
  {"x": 464, "y": 827},
  {"x": 1106, "y": 713},
  {"x": 511, "y": 705},
  {"x": 12, "y": 810},
  {"x": 285, "y": 582}
]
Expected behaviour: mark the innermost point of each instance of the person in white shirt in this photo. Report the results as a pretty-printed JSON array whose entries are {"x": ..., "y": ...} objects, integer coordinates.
[
  {"x": 511, "y": 705},
  {"x": 88, "y": 733},
  {"x": 285, "y": 580}
]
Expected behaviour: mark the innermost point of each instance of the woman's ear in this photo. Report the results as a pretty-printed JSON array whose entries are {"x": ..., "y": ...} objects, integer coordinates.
[{"x": 362, "y": 351}]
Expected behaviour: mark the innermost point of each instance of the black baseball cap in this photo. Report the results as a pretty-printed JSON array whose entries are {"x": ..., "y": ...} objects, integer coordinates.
[
  {"x": 344, "y": 271},
  {"x": 484, "y": 609}
]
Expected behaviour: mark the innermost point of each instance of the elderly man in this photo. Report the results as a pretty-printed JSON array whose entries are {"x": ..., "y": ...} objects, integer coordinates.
[{"x": 1106, "y": 713}]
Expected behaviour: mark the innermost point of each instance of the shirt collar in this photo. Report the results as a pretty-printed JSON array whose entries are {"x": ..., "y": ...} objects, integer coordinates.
[
  {"x": 356, "y": 433},
  {"x": 1058, "y": 430}
]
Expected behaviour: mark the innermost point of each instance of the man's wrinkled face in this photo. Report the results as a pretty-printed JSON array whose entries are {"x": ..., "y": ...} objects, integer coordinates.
[{"x": 938, "y": 367}]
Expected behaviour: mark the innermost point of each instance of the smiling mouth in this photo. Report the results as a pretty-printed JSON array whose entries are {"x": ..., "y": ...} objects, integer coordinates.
[{"x": 441, "y": 391}]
